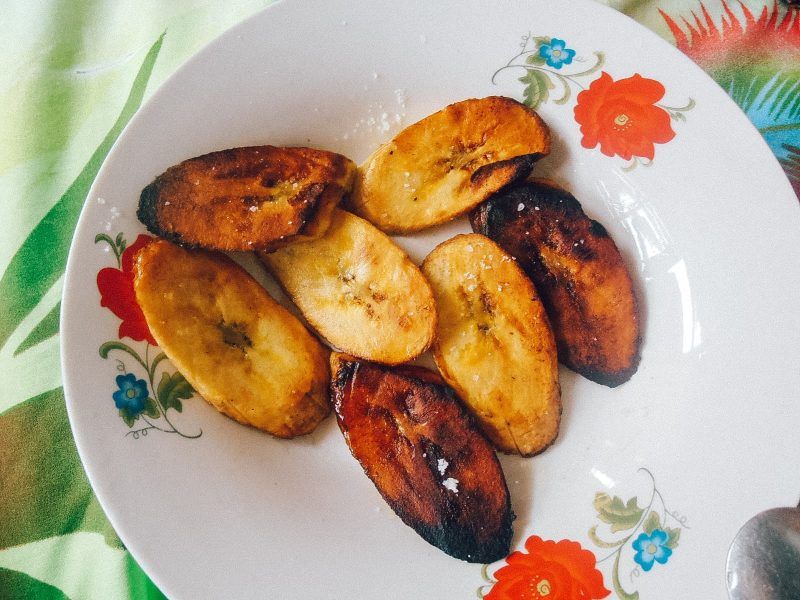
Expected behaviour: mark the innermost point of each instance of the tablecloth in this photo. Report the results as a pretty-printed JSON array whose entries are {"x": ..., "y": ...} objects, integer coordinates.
[{"x": 72, "y": 73}]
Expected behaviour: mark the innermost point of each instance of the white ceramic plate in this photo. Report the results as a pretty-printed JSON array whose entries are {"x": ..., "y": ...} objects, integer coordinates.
[{"x": 704, "y": 435}]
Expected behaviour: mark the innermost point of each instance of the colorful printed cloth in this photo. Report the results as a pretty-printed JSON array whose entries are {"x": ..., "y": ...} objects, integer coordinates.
[{"x": 71, "y": 76}]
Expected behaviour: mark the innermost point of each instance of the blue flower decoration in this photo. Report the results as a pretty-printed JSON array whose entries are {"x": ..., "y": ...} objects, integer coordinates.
[
  {"x": 131, "y": 395},
  {"x": 556, "y": 53},
  {"x": 650, "y": 548}
]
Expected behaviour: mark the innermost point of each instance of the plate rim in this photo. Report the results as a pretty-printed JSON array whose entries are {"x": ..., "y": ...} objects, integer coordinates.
[{"x": 671, "y": 52}]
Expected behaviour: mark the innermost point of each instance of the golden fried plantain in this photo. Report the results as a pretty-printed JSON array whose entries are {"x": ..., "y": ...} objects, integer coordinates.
[
  {"x": 579, "y": 272},
  {"x": 426, "y": 457},
  {"x": 253, "y": 198},
  {"x": 494, "y": 344},
  {"x": 243, "y": 352},
  {"x": 359, "y": 291},
  {"x": 445, "y": 164}
]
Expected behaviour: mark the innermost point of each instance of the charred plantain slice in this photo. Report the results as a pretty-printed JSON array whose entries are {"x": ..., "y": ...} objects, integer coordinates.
[
  {"x": 423, "y": 453},
  {"x": 579, "y": 272},
  {"x": 359, "y": 290},
  {"x": 252, "y": 198},
  {"x": 243, "y": 352},
  {"x": 494, "y": 344},
  {"x": 450, "y": 161}
]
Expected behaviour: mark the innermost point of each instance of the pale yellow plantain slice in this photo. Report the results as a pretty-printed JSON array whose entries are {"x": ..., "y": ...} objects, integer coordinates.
[
  {"x": 447, "y": 163},
  {"x": 494, "y": 344},
  {"x": 359, "y": 291},
  {"x": 259, "y": 197},
  {"x": 243, "y": 352}
]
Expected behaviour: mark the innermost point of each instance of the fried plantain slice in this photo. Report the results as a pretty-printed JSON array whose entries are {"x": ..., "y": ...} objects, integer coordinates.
[
  {"x": 450, "y": 161},
  {"x": 359, "y": 291},
  {"x": 494, "y": 344},
  {"x": 252, "y": 198},
  {"x": 243, "y": 352},
  {"x": 422, "y": 451},
  {"x": 579, "y": 272}
]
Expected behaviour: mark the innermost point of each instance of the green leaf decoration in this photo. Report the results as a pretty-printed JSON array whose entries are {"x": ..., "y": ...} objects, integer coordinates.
[
  {"x": 20, "y": 586},
  {"x": 29, "y": 275},
  {"x": 535, "y": 59},
  {"x": 109, "y": 346},
  {"x": 172, "y": 389},
  {"x": 615, "y": 512},
  {"x": 621, "y": 592},
  {"x": 159, "y": 357},
  {"x": 565, "y": 98},
  {"x": 151, "y": 408},
  {"x": 674, "y": 536},
  {"x": 128, "y": 416},
  {"x": 651, "y": 523},
  {"x": 44, "y": 330},
  {"x": 542, "y": 40},
  {"x": 102, "y": 237},
  {"x": 601, "y": 543},
  {"x": 39, "y": 463},
  {"x": 537, "y": 87}
]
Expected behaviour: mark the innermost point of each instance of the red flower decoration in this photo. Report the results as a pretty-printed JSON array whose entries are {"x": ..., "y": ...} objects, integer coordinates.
[
  {"x": 622, "y": 116},
  {"x": 116, "y": 294},
  {"x": 551, "y": 570}
]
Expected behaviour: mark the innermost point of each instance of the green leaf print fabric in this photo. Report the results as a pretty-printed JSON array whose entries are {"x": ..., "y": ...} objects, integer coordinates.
[{"x": 72, "y": 74}]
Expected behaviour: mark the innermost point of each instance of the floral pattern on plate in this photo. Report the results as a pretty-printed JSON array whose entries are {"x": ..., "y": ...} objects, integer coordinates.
[
  {"x": 565, "y": 569},
  {"x": 624, "y": 116},
  {"x": 137, "y": 399}
]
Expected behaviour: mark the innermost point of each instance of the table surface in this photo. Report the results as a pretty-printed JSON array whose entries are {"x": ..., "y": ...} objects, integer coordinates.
[{"x": 68, "y": 85}]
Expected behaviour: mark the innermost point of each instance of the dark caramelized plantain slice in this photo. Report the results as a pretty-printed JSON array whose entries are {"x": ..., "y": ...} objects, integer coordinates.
[
  {"x": 255, "y": 198},
  {"x": 578, "y": 271},
  {"x": 423, "y": 453}
]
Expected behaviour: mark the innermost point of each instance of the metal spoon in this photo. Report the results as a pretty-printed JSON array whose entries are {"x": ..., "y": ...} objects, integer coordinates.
[{"x": 764, "y": 558}]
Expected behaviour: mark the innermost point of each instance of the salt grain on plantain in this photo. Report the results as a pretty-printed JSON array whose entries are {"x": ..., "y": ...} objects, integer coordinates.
[
  {"x": 451, "y": 484},
  {"x": 442, "y": 465},
  {"x": 520, "y": 207}
]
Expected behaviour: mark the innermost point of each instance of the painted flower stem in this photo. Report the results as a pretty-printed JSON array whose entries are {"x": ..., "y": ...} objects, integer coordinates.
[
  {"x": 109, "y": 346},
  {"x": 563, "y": 77},
  {"x": 151, "y": 371},
  {"x": 143, "y": 430},
  {"x": 102, "y": 237},
  {"x": 689, "y": 106},
  {"x": 624, "y": 595},
  {"x": 626, "y": 539}
]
